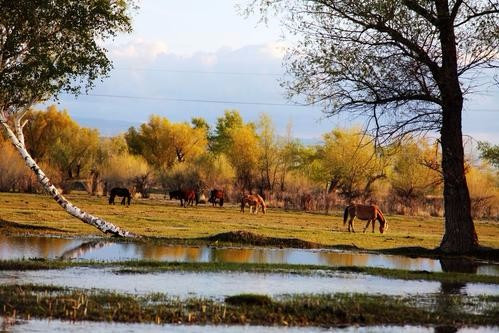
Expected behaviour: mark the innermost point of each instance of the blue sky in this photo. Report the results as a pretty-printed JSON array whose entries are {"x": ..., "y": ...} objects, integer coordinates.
[{"x": 204, "y": 50}]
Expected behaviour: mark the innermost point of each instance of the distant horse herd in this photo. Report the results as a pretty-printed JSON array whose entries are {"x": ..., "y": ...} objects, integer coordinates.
[{"x": 369, "y": 213}]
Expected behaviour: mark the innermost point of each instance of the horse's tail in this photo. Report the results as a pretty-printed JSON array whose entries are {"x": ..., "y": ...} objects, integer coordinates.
[{"x": 345, "y": 215}]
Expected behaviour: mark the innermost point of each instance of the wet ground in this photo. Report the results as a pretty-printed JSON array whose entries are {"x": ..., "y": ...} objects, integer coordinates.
[
  {"x": 83, "y": 327},
  {"x": 42, "y": 247},
  {"x": 220, "y": 284}
]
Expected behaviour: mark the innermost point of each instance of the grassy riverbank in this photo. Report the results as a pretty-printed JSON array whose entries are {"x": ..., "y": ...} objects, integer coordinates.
[
  {"x": 26, "y": 301},
  {"x": 40, "y": 215}
]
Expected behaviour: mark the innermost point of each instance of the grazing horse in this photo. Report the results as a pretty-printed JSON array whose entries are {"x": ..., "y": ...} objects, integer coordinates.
[
  {"x": 371, "y": 213},
  {"x": 186, "y": 197},
  {"x": 216, "y": 195},
  {"x": 120, "y": 192},
  {"x": 253, "y": 200}
]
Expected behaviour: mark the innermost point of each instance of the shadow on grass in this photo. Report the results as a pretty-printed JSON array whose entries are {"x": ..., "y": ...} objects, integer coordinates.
[{"x": 14, "y": 226}]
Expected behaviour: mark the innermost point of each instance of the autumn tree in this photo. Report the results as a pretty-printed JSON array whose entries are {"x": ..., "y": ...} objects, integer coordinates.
[
  {"x": 270, "y": 160},
  {"x": 351, "y": 163},
  {"x": 47, "y": 47},
  {"x": 244, "y": 154},
  {"x": 403, "y": 64},
  {"x": 415, "y": 170},
  {"x": 163, "y": 143}
]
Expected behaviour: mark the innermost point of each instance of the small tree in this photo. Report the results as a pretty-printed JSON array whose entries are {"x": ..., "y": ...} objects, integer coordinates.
[{"x": 47, "y": 47}]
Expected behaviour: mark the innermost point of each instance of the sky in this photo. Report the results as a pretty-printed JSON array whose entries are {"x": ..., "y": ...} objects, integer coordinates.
[{"x": 198, "y": 58}]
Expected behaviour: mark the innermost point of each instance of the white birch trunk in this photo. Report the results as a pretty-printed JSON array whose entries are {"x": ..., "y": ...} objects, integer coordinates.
[{"x": 102, "y": 225}]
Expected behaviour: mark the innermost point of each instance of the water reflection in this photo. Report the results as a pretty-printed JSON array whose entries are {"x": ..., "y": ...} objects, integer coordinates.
[
  {"x": 40, "y": 247},
  {"x": 84, "y": 327}
]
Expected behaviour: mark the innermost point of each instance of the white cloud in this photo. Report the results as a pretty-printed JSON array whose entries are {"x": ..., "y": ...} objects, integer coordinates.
[{"x": 139, "y": 50}]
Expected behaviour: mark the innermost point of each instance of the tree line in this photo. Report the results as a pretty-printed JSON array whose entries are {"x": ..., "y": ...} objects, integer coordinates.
[{"x": 237, "y": 156}]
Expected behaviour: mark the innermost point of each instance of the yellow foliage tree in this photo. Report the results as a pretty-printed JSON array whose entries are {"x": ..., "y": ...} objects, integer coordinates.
[
  {"x": 244, "y": 153},
  {"x": 351, "y": 163}
]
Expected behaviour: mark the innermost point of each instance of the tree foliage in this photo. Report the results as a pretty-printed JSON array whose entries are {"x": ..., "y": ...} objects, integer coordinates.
[
  {"x": 489, "y": 152},
  {"x": 163, "y": 143}
]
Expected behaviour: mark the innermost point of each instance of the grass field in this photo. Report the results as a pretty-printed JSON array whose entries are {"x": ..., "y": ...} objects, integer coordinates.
[{"x": 39, "y": 214}]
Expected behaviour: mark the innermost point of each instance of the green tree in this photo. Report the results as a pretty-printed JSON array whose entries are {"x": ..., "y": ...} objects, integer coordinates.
[
  {"x": 48, "y": 47},
  {"x": 404, "y": 64},
  {"x": 222, "y": 135},
  {"x": 489, "y": 152}
]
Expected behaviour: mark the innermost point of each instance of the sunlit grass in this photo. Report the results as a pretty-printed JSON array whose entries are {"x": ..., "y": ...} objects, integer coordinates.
[{"x": 162, "y": 218}]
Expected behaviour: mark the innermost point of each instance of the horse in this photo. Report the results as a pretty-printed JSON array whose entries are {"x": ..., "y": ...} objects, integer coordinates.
[
  {"x": 253, "y": 200},
  {"x": 186, "y": 197},
  {"x": 371, "y": 213},
  {"x": 120, "y": 192},
  {"x": 216, "y": 195}
]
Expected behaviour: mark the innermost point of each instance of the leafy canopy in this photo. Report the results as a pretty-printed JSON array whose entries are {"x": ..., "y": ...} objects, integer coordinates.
[{"x": 51, "y": 45}]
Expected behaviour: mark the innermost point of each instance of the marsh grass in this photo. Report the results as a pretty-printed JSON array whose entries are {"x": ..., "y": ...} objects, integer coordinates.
[
  {"x": 26, "y": 301},
  {"x": 147, "y": 266}
]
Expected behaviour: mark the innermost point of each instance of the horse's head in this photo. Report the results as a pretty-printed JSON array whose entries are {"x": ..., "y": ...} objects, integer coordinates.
[
  {"x": 383, "y": 225},
  {"x": 173, "y": 194}
]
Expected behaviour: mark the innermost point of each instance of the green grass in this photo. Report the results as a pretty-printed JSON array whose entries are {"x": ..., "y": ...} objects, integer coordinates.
[
  {"x": 40, "y": 215},
  {"x": 26, "y": 301},
  {"x": 146, "y": 266}
]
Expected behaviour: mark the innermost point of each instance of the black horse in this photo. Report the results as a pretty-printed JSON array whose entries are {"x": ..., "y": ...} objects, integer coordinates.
[{"x": 120, "y": 192}]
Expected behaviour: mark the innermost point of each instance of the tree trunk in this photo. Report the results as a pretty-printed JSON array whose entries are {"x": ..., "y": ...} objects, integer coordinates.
[
  {"x": 102, "y": 225},
  {"x": 460, "y": 235}
]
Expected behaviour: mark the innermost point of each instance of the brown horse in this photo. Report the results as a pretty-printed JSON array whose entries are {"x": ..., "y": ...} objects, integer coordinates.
[
  {"x": 371, "y": 213},
  {"x": 186, "y": 197},
  {"x": 216, "y": 195},
  {"x": 253, "y": 200}
]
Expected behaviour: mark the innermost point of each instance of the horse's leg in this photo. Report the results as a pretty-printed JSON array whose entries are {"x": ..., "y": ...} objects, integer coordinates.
[
  {"x": 367, "y": 225},
  {"x": 350, "y": 223},
  {"x": 374, "y": 222}
]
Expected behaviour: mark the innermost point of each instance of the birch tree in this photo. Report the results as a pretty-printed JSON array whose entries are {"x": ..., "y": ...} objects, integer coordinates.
[
  {"x": 48, "y": 47},
  {"x": 403, "y": 64}
]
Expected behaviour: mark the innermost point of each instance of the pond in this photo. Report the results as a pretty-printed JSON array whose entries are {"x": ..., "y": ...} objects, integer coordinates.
[
  {"x": 220, "y": 284},
  {"x": 83, "y": 327},
  {"x": 45, "y": 247}
]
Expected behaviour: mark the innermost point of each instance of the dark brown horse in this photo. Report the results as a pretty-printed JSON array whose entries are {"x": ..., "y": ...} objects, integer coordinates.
[
  {"x": 216, "y": 195},
  {"x": 186, "y": 197},
  {"x": 371, "y": 213},
  {"x": 253, "y": 201},
  {"x": 120, "y": 192}
]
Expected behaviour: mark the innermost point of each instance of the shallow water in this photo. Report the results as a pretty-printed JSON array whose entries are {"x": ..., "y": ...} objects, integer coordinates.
[
  {"x": 43, "y": 247},
  {"x": 33, "y": 326},
  {"x": 220, "y": 284}
]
